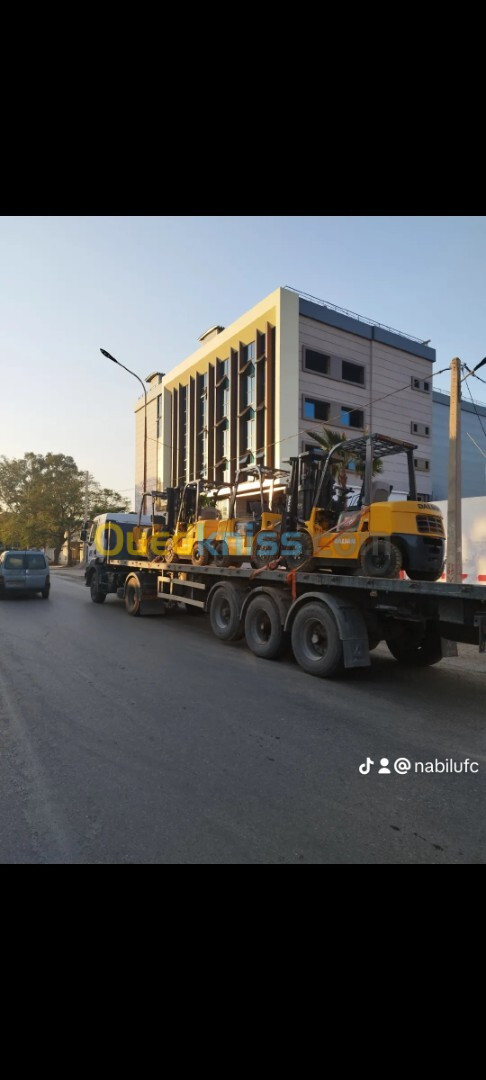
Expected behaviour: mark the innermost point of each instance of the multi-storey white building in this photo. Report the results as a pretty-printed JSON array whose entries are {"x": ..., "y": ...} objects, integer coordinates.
[{"x": 253, "y": 390}]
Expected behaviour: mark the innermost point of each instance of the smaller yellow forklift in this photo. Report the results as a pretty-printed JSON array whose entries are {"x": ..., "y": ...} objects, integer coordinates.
[
  {"x": 373, "y": 537},
  {"x": 149, "y": 541},
  {"x": 196, "y": 524},
  {"x": 238, "y": 539}
]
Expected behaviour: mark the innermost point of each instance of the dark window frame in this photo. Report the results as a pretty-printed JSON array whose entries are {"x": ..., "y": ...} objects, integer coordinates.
[
  {"x": 317, "y": 352},
  {"x": 352, "y": 409},
  {"x": 318, "y": 401},
  {"x": 360, "y": 367}
]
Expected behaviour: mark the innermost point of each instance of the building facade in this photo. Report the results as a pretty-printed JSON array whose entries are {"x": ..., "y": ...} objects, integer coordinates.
[
  {"x": 253, "y": 391},
  {"x": 473, "y": 446}
]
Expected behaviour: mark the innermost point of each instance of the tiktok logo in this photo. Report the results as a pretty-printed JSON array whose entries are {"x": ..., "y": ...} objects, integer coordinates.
[{"x": 365, "y": 767}]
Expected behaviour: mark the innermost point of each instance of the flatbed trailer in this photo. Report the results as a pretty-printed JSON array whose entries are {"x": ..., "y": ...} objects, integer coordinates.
[{"x": 331, "y": 621}]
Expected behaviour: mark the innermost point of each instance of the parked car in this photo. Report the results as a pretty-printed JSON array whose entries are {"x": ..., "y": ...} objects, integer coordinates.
[{"x": 24, "y": 571}]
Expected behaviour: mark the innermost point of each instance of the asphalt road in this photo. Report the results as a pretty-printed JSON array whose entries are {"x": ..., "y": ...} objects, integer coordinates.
[{"x": 148, "y": 741}]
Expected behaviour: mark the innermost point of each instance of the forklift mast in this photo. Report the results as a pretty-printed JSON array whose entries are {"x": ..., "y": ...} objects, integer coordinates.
[
  {"x": 257, "y": 472},
  {"x": 171, "y": 496},
  {"x": 303, "y": 488}
]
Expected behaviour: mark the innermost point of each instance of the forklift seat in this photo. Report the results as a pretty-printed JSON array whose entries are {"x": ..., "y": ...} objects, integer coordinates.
[
  {"x": 380, "y": 492},
  {"x": 247, "y": 528},
  {"x": 209, "y": 513}
]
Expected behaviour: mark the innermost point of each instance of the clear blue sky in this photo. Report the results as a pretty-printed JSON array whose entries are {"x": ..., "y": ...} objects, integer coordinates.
[{"x": 145, "y": 288}]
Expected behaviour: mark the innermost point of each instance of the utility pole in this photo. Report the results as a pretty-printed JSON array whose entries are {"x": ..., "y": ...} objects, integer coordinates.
[
  {"x": 86, "y": 509},
  {"x": 454, "y": 515}
]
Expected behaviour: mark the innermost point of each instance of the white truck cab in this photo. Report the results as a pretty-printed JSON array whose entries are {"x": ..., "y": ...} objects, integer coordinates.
[{"x": 90, "y": 528}]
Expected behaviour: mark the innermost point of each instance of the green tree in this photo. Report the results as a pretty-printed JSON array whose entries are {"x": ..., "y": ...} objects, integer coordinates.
[
  {"x": 42, "y": 501},
  {"x": 102, "y": 500}
]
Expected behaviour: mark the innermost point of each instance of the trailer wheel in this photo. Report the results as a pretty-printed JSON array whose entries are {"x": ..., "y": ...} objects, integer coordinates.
[
  {"x": 200, "y": 554},
  {"x": 97, "y": 594},
  {"x": 316, "y": 644},
  {"x": 224, "y": 614},
  {"x": 264, "y": 633},
  {"x": 132, "y": 597},
  {"x": 380, "y": 558},
  {"x": 413, "y": 651}
]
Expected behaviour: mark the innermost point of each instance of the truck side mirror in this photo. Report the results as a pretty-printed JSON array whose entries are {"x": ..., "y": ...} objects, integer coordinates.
[{"x": 84, "y": 535}]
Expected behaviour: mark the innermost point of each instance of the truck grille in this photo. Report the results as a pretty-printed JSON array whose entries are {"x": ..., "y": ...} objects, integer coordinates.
[{"x": 429, "y": 523}]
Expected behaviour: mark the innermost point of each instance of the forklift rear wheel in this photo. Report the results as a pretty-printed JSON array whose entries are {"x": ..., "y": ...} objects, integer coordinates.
[
  {"x": 200, "y": 554},
  {"x": 380, "y": 558},
  {"x": 316, "y": 644},
  {"x": 224, "y": 614},
  {"x": 264, "y": 633},
  {"x": 221, "y": 558},
  {"x": 414, "y": 650},
  {"x": 295, "y": 562}
]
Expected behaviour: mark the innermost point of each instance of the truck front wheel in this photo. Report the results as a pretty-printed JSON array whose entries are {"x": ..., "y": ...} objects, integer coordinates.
[{"x": 97, "y": 594}]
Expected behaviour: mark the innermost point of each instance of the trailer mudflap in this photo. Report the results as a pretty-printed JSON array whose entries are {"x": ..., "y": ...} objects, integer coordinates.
[{"x": 449, "y": 648}]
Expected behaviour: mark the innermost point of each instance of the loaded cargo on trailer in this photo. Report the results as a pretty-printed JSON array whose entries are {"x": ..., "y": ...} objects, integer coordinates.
[
  {"x": 332, "y": 622},
  {"x": 331, "y": 604}
]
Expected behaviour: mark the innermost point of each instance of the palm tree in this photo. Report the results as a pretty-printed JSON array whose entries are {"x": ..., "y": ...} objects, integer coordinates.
[{"x": 328, "y": 439}]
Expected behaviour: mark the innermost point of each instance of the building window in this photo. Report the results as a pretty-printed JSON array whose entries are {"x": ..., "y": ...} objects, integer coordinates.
[
  {"x": 260, "y": 344},
  {"x": 250, "y": 385},
  {"x": 159, "y": 417},
  {"x": 248, "y": 437},
  {"x": 314, "y": 409},
  {"x": 222, "y": 441},
  {"x": 247, "y": 387},
  {"x": 316, "y": 361},
  {"x": 249, "y": 424},
  {"x": 352, "y": 417},
  {"x": 223, "y": 400},
  {"x": 421, "y": 384},
  {"x": 203, "y": 403},
  {"x": 203, "y": 454},
  {"x": 419, "y": 429},
  {"x": 183, "y": 422},
  {"x": 422, "y": 464},
  {"x": 248, "y": 353},
  {"x": 222, "y": 369},
  {"x": 260, "y": 437},
  {"x": 353, "y": 373}
]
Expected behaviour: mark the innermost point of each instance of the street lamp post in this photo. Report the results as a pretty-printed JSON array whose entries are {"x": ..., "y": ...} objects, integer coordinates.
[{"x": 110, "y": 357}]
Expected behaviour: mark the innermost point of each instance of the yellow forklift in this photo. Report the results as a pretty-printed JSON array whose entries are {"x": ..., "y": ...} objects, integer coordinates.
[
  {"x": 196, "y": 524},
  {"x": 373, "y": 537},
  {"x": 149, "y": 541},
  {"x": 238, "y": 538}
]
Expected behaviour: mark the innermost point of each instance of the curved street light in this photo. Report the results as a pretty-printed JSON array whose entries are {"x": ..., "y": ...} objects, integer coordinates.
[{"x": 135, "y": 376}]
